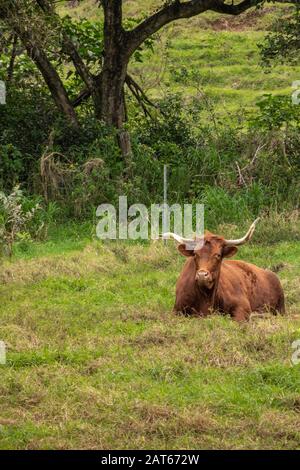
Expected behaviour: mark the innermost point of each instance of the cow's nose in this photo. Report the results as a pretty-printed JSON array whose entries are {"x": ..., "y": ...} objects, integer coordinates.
[{"x": 202, "y": 274}]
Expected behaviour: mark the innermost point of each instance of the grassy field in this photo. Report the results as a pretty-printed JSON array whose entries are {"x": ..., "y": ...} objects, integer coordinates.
[{"x": 97, "y": 360}]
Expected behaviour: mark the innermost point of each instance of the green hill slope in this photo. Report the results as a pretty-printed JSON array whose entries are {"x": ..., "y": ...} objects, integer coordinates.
[{"x": 211, "y": 53}]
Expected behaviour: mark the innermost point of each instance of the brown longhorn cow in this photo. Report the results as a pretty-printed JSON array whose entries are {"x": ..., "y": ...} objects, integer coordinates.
[{"x": 210, "y": 282}]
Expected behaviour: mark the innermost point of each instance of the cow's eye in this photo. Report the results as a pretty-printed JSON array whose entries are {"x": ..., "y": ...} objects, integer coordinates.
[{"x": 218, "y": 256}]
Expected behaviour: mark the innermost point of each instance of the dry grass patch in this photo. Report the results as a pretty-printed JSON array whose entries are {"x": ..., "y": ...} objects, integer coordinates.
[
  {"x": 280, "y": 426},
  {"x": 167, "y": 422},
  {"x": 158, "y": 335}
]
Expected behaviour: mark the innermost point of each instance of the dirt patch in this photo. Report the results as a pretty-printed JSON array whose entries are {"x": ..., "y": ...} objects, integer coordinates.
[{"x": 247, "y": 21}]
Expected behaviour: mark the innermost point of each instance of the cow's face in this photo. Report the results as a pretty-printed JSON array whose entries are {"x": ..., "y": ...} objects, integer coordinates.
[{"x": 208, "y": 259}]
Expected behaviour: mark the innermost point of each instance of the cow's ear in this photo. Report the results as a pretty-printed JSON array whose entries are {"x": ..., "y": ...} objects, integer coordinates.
[
  {"x": 184, "y": 251},
  {"x": 229, "y": 251}
]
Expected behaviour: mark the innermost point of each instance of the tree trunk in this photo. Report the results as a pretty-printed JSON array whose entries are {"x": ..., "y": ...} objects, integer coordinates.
[
  {"x": 112, "y": 91},
  {"x": 55, "y": 85},
  {"x": 115, "y": 63},
  {"x": 49, "y": 73}
]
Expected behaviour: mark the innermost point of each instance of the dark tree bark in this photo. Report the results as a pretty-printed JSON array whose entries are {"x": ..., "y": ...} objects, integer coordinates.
[
  {"x": 115, "y": 63},
  {"x": 69, "y": 47},
  {"x": 10, "y": 69},
  {"x": 50, "y": 76}
]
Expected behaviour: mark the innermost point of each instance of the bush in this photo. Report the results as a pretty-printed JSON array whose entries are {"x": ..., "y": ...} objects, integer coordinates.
[
  {"x": 276, "y": 111},
  {"x": 22, "y": 219},
  {"x": 14, "y": 219},
  {"x": 25, "y": 124},
  {"x": 238, "y": 169}
]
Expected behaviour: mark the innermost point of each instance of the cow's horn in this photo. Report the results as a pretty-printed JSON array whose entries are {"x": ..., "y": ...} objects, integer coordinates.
[
  {"x": 177, "y": 238},
  {"x": 246, "y": 238}
]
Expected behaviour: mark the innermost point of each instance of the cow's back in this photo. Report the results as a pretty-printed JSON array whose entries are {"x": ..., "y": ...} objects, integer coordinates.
[{"x": 240, "y": 282}]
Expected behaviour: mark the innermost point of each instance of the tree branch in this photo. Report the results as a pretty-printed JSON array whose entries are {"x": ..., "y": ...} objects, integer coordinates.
[
  {"x": 231, "y": 9},
  {"x": 139, "y": 95},
  {"x": 133, "y": 86},
  {"x": 69, "y": 47},
  {"x": 51, "y": 77},
  {"x": 83, "y": 96},
  {"x": 36, "y": 52},
  {"x": 166, "y": 15},
  {"x": 179, "y": 10},
  {"x": 71, "y": 50},
  {"x": 237, "y": 9},
  {"x": 13, "y": 56}
]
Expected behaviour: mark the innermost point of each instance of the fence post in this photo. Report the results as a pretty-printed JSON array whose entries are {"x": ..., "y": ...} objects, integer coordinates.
[
  {"x": 165, "y": 214},
  {"x": 2, "y": 353},
  {"x": 2, "y": 92}
]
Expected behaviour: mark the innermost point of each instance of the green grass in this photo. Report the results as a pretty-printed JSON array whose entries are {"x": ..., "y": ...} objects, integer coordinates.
[
  {"x": 224, "y": 65},
  {"x": 96, "y": 359}
]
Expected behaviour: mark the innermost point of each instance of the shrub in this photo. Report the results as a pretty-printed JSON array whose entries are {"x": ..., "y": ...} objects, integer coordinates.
[
  {"x": 14, "y": 219},
  {"x": 22, "y": 219},
  {"x": 275, "y": 111},
  {"x": 238, "y": 169}
]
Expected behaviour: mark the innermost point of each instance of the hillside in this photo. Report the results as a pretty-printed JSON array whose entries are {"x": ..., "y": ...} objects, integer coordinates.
[{"x": 212, "y": 53}]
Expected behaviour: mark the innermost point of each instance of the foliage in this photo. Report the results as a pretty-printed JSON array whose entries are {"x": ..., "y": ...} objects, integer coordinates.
[
  {"x": 203, "y": 158},
  {"x": 25, "y": 124},
  {"x": 282, "y": 44},
  {"x": 15, "y": 219},
  {"x": 276, "y": 111},
  {"x": 11, "y": 165},
  {"x": 87, "y": 36}
]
